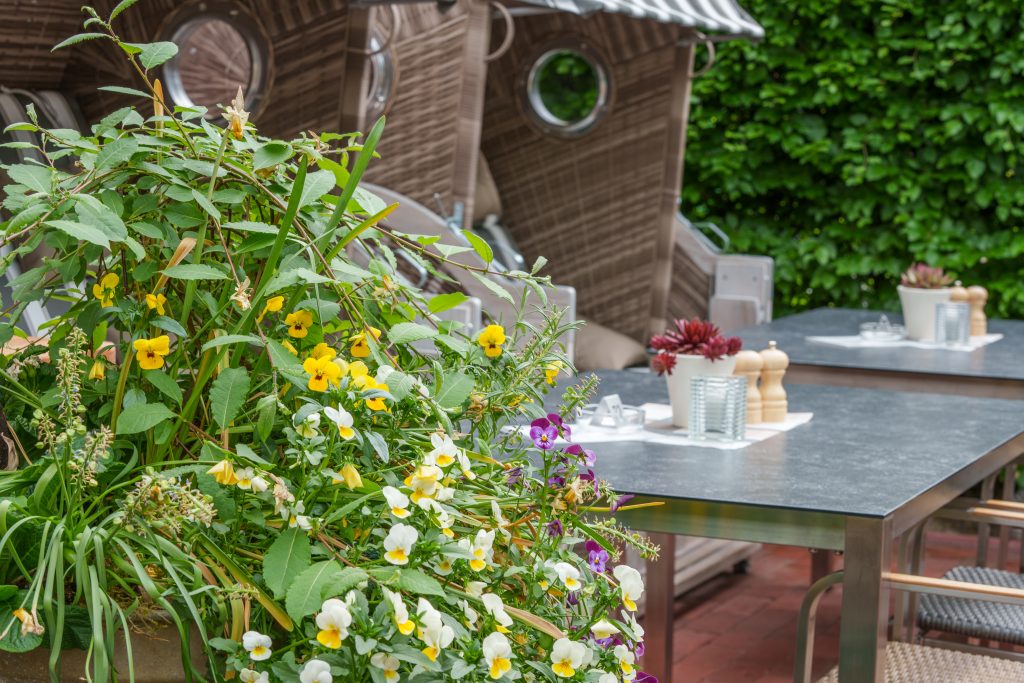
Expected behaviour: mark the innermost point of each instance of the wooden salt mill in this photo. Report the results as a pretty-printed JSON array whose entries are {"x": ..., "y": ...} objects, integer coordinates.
[
  {"x": 749, "y": 364},
  {"x": 958, "y": 294},
  {"x": 773, "y": 396},
  {"x": 979, "y": 323}
]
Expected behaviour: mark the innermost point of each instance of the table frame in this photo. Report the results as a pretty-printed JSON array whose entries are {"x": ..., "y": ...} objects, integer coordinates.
[{"x": 865, "y": 541}]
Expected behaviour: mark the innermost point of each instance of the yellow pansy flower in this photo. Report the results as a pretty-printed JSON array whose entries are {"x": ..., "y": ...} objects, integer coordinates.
[
  {"x": 104, "y": 289},
  {"x": 291, "y": 348},
  {"x": 298, "y": 323},
  {"x": 350, "y": 475},
  {"x": 378, "y": 402},
  {"x": 321, "y": 373},
  {"x": 98, "y": 370},
  {"x": 224, "y": 473},
  {"x": 359, "y": 373},
  {"x": 152, "y": 351},
  {"x": 322, "y": 350},
  {"x": 156, "y": 301},
  {"x": 273, "y": 305},
  {"x": 360, "y": 347},
  {"x": 491, "y": 340},
  {"x": 551, "y": 371}
]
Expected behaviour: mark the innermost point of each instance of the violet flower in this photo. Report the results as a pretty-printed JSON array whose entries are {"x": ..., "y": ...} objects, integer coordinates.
[
  {"x": 514, "y": 476},
  {"x": 597, "y": 557},
  {"x": 543, "y": 437},
  {"x": 555, "y": 528},
  {"x": 587, "y": 455},
  {"x": 644, "y": 677},
  {"x": 620, "y": 501}
]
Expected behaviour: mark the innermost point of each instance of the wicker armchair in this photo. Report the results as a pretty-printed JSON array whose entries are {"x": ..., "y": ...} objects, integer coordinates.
[{"x": 907, "y": 662}]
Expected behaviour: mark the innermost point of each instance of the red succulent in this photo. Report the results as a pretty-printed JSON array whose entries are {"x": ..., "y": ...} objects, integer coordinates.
[
  {"x": 691, "y": 337},
  {"x": 663, "y": 362}
]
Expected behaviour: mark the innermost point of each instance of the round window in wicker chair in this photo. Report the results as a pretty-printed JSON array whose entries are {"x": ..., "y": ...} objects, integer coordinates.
[
  {"x": 383, "y": 77},
  {"x": 567, "y": 89},
  {"x": 220, "y": 47}
]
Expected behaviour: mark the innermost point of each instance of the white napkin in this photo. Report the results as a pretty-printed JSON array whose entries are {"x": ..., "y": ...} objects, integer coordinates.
[
  {"x": 659, "y": 429},
  {"x": 858, "y": 342}
]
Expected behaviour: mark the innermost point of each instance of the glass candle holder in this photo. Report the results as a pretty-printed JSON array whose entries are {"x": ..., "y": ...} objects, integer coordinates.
[
  {"x": 952, "y": 323},
  {"x": 718, "y": 408},
  {"x": 611, "y": 413}
]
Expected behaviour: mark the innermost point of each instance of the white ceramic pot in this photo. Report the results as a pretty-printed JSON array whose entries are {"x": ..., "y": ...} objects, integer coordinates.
[
  {"x": 688, "y": 367},
  {"x": 919, "y": 310}
]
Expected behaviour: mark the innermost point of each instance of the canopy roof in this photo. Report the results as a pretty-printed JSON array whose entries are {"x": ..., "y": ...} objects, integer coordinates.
[{"x": 710, "y": 15}]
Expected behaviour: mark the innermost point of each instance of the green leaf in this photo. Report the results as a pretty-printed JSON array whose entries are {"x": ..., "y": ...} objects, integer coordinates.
[
  {"x": 266, "y": 410},
  {"x": 10, "y": 627},
  {"x": 121, "y": 6},
  {"x": 317, "y": 185},
  {"x": 231, "y": 339},
  {"x": 206, "y": 204},
  {"x": 288, "y": 556},
  {"x": 170, "y": 325},
  {"x": 454, "y": 390},
  {"x": 116, "y": 152},
  {"x": 142, "y": 416},
  {"x": 482, "y": 249},
  {"x": 446, "y": 302},
  {"x": 271, "y": 154},
  {"x": 33, "y": 176},
  {"x": 493, "y": 286},
  {"x": 165, "y": 383},
  {"x": 97, "y": 214},
  {"x": 404, "y": 333},
  {"x": 76, "y": 39},
  {"x": 285, "y": 361},
  {"x": 400, "y": 384},
  {"x": 155, "y": 54},
  {"x": 251, "y": 226},
  {"x": 415, "y": 581},
  {"x": 80, "y": 231},
  {"x": 194, "y": 271},
  {"x": 227, "y": 394},
  {"x": 317, "y": 583}
]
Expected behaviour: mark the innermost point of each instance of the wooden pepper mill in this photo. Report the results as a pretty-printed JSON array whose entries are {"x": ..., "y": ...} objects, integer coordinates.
[
  {"x": 774, "y": 405},
  {"x": 958, "y": 294},
  {"x": 749, "y": 364},
  {"x": 979, "y": 323}
]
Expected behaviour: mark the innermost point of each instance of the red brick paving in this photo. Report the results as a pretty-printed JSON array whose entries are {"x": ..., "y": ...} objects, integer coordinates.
[{"x": 742, "y": 628}]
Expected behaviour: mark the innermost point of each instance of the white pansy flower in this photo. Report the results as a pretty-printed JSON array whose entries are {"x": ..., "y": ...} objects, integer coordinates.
[
  {"x": 424, "y": 483},
  {"x": 631, "y": 585},
  {"x": 568, "y": 575},
  {"x": 244, "y": 476},
  {"x": 400, "y": 613},
  {"x": 250, "y": 676},
  {"x": 434, "y": 633},
  {"x": 399, "y": 542},
  {"x": 257, "y": 645},
  {"x": 316, "y": 671},
  {"x": 333, "y": 622},
  {"x": 476, "y": 588},
  {"x": 388, "y": 663},
  {"x": 397, "y": 501},
  {"x": 604, "y": 629},
  {"x": 465, "y": 465},
  {"x": 496, "y": 608},
  {"x": 470, "y": 613},
  {"x": 444, "y": 567},
  {"x": 567, "y": 656},
  {"x": 500, "y": 520},
  {"x": 342, "y": 419},
  {"x": 259, "y": 484},
  {"x": 445, "y": 451},
  {"x": 481, "y": 550},
  {"x": 626, "y": 661},
  {"x": 296, "y": 519},
  {"x": 607, "y": 678},
  {"x": 307, "y": 429},
  {"x": 498, "y": 654}
]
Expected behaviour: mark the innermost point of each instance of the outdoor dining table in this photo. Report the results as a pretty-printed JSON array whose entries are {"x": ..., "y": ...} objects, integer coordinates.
[{"x": 869, "y": 466}]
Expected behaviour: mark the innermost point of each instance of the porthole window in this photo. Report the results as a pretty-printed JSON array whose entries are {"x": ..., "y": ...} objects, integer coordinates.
[
  {"x": 220, "y": 48},
  {"x": 382, "y": 78},
  {"x": 567, "y": 90}
]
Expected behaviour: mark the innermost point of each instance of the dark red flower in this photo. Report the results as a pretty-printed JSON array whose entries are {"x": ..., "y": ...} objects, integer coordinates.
[{"x": 664, "y": 362}]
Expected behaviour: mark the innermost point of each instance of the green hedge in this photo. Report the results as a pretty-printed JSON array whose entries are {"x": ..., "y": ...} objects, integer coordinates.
[{"x": 861, "y": 135}]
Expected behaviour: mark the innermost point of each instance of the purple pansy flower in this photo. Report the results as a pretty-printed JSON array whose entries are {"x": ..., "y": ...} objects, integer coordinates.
[
  {"x": 638, "y": 650},
  {"x": 514, "y": 476},
  {"x": 584, "y": 454},
  {"x": 543, "y": 437},
  {"x": 620, "y": 501},
  {"x": 555, "y": 528},
  {"x": 643, "y": 677},
  {"x": 597, "y": 557}
]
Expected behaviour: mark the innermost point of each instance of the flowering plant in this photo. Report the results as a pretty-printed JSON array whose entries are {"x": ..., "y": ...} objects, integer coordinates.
[
  {"x": 691, "y": 337},
  {"x": 236, "y": 421},
  {"x": 923, "y": 276}
]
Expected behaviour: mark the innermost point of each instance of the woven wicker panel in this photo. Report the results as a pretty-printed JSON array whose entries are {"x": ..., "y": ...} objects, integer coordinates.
[
  {"x": 595, "y": 206},
  {"x": 27, "y": 32},
  {"x": 308, "y": 40},
  {"x": 431, "y": 120},
  {"x": 907, "y": 663},
  {"x": 691, "y": 287},
  {"x": 975, "y": 618}
]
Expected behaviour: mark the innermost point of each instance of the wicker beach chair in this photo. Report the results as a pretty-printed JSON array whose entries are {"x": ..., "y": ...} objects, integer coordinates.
[{"x": 911, "y": 663}]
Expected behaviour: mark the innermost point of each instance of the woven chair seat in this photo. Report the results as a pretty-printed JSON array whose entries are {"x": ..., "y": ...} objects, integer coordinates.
[
  {"x": 908, "y": 663},
  {"x": 976, "y": 618}
]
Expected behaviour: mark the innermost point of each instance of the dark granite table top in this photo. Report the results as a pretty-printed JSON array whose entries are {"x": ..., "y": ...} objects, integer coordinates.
[
  {"x": 865, "y": 453},
  {"x": 1003, "y": 359}
]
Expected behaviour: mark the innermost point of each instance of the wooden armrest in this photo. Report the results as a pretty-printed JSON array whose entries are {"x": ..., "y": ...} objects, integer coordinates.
[
  {"x": 1007, "y": 515},
  {"x": 1005, "y": 504},
  {"x": 955, "y": 589}
]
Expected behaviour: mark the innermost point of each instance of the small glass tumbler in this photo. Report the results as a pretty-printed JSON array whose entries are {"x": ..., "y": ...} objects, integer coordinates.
[
  {"x": 952, "y": 323},
  {"x": 718, "y": 408}
]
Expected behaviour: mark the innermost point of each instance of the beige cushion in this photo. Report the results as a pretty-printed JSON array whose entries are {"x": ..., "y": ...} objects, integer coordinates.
[
  {"x": 601, "y": 348},
  {"x": 486, "y": 200}
]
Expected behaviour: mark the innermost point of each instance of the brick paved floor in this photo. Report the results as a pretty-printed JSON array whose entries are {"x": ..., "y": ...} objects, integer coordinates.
[{"x": 742, "y": 628}]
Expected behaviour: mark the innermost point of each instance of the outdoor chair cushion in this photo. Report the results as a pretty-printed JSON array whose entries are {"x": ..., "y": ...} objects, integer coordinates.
[
  {"x": 975, "y": 618},
  {"x": 908, "y": 663},
  {"x": 601, "y": 348}
]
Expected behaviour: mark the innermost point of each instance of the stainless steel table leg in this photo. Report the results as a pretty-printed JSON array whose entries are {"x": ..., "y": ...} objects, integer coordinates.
[
  {"x": 865, "y": 613},
  {"x": 1009, "y": 488},
  {"x": 659, "y": 613},
  {"x": 988, "y": 490}
]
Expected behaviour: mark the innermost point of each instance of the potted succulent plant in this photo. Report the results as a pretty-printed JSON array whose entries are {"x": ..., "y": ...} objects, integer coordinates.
[
  {"x": 694, "y": 348},
  {"x": 921, "y": 288},
  {"x": 287, "y": 454}
]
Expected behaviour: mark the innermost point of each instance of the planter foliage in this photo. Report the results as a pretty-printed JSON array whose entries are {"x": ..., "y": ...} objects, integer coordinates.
[{"x": 248, "y": 420}]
